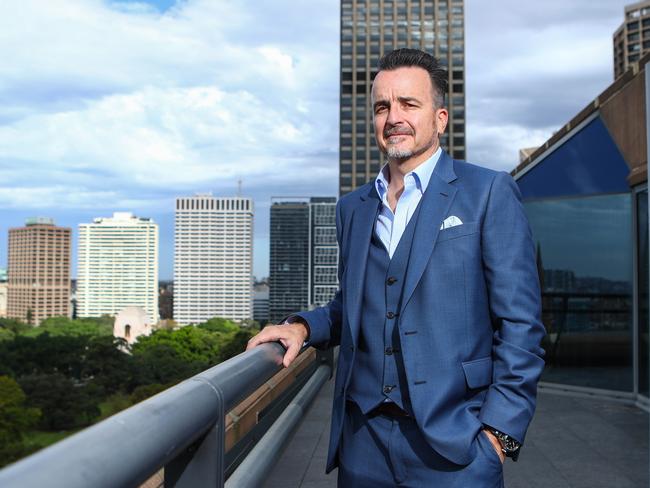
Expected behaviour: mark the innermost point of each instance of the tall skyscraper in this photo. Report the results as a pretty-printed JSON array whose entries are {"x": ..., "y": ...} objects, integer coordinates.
[
  {"x": 213, "y": 259},
  {"x": 118, "y": 266},
  {"x": 304, "y": 254},
  {"x": 38, "y": 271},
  {"x": 632, "y": 38},
  {"x": 371, "y": 28},
  {"x": 289, "y": 257}
]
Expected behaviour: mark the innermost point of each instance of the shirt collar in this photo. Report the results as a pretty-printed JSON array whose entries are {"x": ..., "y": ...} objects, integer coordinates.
[{"x": 421, "y": 174}]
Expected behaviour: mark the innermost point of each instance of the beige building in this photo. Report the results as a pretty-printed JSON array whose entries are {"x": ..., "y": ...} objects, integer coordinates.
[
  {"x": 371, "y": 28},
  {"x": 38, "y": 271},
  {"x": 632, "y": 38},
  {"x": 118, "y": 266}
]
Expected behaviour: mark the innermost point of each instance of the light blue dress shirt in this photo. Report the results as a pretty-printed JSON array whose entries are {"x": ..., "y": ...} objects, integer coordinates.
[{"x": 390, "y": 226}]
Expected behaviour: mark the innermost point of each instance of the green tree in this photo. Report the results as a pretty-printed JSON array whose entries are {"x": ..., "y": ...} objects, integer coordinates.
[
  {"x": 107, "y": 362},
  {"x": 63, "y": 403},
  {"x": 193, "y": 344},
  {"x": 64, "y": 326},
  {"x": 217, "y": 324},
  {"x": 163, "y": 364},
  {"x": 15, "y": 419},
  {"x": 43, "y": 354},
  {"x": 6, "y": 335},
  {"x": 236, "y": 344},
  {"x": 15, "y": 326}
]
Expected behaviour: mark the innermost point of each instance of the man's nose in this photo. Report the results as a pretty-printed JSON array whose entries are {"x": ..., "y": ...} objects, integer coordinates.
[{"x": 395, "y": 115}]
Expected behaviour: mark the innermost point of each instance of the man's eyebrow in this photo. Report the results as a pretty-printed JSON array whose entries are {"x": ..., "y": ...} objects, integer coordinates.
[
  {"x": 408, "y": 99},
  {"x": 380, "y": 102},
  {"x": 384, "y": 102}
]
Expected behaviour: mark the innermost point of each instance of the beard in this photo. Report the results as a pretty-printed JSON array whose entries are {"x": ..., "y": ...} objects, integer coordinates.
[
  {"x": 396, "y": 153},
  {"x": 400, "y": 154}
]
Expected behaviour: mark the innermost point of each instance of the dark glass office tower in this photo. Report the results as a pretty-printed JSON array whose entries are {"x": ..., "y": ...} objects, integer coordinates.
[
  {"x": 370, "y": 28},
  {"x": 304, "y": 254},
  {"x": 289, "y": 258}
]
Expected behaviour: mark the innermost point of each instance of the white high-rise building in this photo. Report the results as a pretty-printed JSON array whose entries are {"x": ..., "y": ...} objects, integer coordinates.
[
  {"x": 118, "y": 266},
  {"x": 213, "y": 258}
]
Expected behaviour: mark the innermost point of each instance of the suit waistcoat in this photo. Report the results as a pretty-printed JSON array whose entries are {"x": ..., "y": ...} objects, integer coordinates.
[{"x": 378, "y": 371}]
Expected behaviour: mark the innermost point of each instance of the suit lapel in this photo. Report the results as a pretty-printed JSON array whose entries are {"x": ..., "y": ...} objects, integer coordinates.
[
  {"x": 434, "y": 207},
  {"x": 362, "y": 226}
]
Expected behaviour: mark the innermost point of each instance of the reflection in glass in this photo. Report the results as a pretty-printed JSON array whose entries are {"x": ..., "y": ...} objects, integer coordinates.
[{"x": 584, "y": 257}]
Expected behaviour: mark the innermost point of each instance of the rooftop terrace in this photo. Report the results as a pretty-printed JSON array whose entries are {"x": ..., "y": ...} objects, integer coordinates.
[{"x": 573, "y": 442}]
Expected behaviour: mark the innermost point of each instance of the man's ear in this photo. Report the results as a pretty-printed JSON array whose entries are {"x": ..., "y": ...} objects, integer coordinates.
[{"x": 441, "y": 120}]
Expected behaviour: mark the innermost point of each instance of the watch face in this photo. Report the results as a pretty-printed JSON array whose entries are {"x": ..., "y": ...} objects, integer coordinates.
[{"x": 510, "y": 445}]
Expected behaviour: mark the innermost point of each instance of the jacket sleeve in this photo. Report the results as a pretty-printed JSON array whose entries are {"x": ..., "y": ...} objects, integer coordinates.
[
  {"x": 512, "y": 280},
  {"x": 325, "y": 322}
]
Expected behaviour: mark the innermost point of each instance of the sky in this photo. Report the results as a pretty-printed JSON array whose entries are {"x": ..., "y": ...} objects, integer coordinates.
[{"x": 110, "y": 105}]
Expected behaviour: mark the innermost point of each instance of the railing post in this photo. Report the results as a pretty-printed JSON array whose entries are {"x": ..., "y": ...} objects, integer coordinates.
[{"x": 202, "y": 463}]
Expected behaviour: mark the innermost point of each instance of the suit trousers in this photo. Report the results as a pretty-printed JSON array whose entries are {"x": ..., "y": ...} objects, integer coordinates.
[{"x": 378, "y": 451}]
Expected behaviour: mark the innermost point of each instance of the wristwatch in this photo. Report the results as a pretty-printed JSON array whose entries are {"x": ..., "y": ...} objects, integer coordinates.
[{"x": 509, "y": 446}]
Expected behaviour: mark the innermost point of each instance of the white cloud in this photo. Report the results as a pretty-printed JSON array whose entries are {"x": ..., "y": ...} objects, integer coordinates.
[
  {"x": 107, "y": 104},
  {"x": 531, "y": 68},
  {"x": 185, "y": 99}
]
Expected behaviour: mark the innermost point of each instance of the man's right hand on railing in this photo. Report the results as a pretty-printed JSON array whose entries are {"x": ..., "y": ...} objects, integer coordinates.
[{"x": 292, "y": 334}]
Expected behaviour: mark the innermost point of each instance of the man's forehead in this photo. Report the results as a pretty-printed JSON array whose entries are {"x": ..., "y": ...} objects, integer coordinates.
[{"x": 404, "y": 81}]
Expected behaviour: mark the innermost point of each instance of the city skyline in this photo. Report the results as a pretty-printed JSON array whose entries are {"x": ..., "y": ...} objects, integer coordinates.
[{"x": 86, "y": 131}]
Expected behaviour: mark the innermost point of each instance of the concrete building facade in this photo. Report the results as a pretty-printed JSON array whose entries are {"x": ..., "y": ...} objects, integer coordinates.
[
  {"x": 371, "y": 28},
  {"x": 213, "y": 259},
  {"x": 38, "y": 270},
  {"x": 632, "y": 38},
  {"x": 118, "y": 266}
]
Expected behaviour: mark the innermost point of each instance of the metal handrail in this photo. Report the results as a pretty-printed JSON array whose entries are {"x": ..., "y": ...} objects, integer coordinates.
[
  {"x": 253, "y": 471},
  {"x": 181, "y": 429}
]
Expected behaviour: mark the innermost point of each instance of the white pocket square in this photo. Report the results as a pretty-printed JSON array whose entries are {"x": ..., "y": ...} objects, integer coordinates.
[{"x": 451, "y": 221}]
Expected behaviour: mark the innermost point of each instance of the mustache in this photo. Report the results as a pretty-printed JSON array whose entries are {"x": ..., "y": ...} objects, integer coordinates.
[{"x": 398, "y": 131}]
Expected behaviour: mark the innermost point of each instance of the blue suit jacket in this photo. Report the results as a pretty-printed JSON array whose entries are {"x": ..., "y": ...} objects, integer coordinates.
[{"x": 469, "y": 325}]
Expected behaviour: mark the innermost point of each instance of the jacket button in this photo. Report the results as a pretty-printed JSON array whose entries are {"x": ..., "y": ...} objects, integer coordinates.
[
  {"x": 388, "y": 389},
  {"x": 390, "y": 315},
  {"x": 391, "y": 280},
  {"x": 388, "y": 351}
]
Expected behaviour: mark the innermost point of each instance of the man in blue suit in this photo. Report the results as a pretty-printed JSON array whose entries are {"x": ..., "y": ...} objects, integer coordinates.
[{"x": 438, "y": 311}]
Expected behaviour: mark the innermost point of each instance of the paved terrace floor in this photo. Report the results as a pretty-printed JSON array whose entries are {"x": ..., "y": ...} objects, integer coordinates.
[{"x": 573, "y": 442}]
